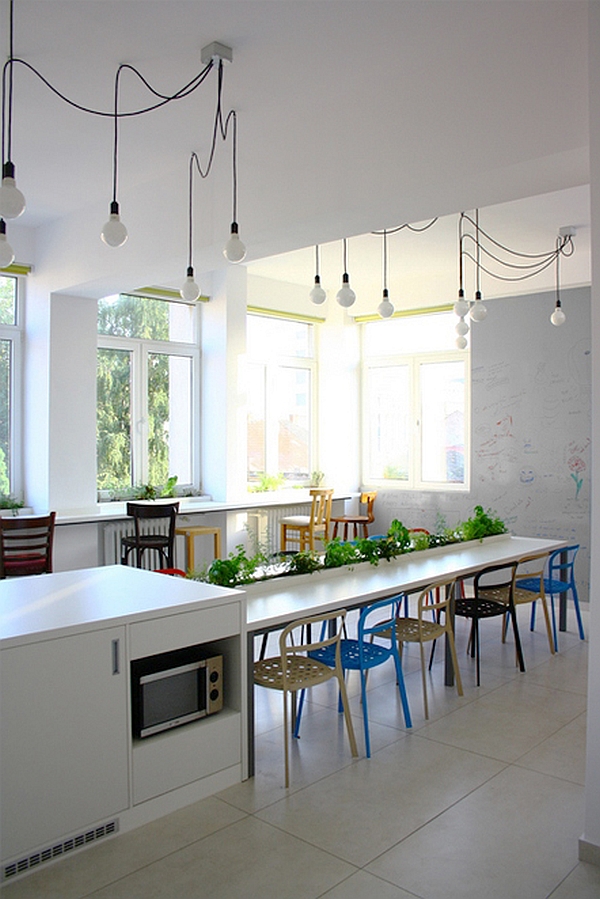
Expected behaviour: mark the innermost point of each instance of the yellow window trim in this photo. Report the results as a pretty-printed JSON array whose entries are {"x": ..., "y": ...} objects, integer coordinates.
[{"x": 292, "y": 316}]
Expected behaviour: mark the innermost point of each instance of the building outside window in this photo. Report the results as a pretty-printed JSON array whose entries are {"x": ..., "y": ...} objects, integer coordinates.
[
  {"x": 416, "y": 431},
  {"x": 147, "y": 394},
  {"x": 281, "y": 405},
  {"x": 10, "y": 386}
]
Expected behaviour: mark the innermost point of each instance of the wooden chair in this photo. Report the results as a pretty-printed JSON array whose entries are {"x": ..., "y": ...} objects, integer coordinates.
[
  {"x": 437, "y": 599},
  {"x": 26, "y": 545},
  {"x": 160, "y": 541},
  {"x": 294, "y": 670},
  {"x": 367, "y": 499},
  {"x": 305, "y": 528}
]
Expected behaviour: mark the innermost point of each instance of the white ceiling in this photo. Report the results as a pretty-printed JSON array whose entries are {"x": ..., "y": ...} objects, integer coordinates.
[{"x": 353, "y": 116}]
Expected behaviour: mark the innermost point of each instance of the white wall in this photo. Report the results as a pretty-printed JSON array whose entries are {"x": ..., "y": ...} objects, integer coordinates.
[{"x": 531, "y": 427}]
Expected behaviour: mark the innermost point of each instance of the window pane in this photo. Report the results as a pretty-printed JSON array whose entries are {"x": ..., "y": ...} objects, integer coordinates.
[
  {"x": 411, "y": 334},
  {"x": 8, "y": 301},
  {"x": 169, "y": 418},
  {"x": 5, "y": 415},
  {"x": 268, "y": 337},
  {"x": 443, "y": 422},
  {"x": 257, "y": 459},
  {"x": 292, "y": 397},
  {"x": 114, "y": 419},
  {"x": 387, "y": 404},
  {"x": 128, "y": 316}
]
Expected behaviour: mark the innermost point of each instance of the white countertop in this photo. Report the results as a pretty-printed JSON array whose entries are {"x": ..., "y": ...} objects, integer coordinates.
[{"x": 52, "y": 605}]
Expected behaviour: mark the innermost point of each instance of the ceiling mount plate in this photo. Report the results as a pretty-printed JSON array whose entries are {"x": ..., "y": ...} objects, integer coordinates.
[{"x": 216, "y": 51}]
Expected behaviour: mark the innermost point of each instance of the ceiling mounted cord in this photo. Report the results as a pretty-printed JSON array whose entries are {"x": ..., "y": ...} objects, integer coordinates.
[
  {"x": 345, "y": 295},
  {"x": 114, "y": 233},
  {"x": 385, "y": 308}
]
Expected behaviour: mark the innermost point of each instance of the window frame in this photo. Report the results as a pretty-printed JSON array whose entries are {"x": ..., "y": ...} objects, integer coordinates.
[
  {"x": 141, "y": 349},
  {"x": 14, "y": 334},
  {"x": 271, "y": 364},
  {"x": 413, "y": 362}
]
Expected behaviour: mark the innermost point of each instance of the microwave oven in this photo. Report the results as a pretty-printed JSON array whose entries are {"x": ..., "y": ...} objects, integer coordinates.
[{"x": 174, "y": 688}]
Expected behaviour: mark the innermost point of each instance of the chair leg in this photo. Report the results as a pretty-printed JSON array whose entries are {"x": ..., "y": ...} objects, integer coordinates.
[
  {"x": 347, "y": 716},
  {"x": 578, "y": 612},
  {"x": 475, "y": 647},
  {"x": 285, "y": 739},
  {"x": 517, "y": 637},
  {"x": 363, "y": 696},
  {"x": 532, "y": 621},
  {"x": 457, "y": 677},
  {"x": 402, "y": 689},
  {"x": 548, "y": 625},
  {"x": 424, "y": 680},
  {"x": 554, "y": 628}
]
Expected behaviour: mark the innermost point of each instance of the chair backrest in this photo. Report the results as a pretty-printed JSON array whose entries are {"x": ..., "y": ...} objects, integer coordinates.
[
  {"x": 436, "y": 597},
  {"x": 532, "y": 567},
  {"x": 561, "y": 564},
  {"x": 367, "y": 498},
  {"x": 294, "y": 640},
  {"x": 496, "y": 582},
  {"x": 144, "y": 511},
  {"x": 26, "y": 545},
  {"x": 320, "y": 511}
]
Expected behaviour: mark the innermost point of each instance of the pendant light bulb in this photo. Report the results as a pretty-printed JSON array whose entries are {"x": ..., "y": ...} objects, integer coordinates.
[
  {"x": 114, "y": 232},
  {"x": 478, "y": 311},
  {"x": 317, "y": 294},
  {"x": 345, "y": 295},
  {"x": 558, "y": 317},
  {"x": 461, "y": 307},
  {"x": 461, "y": 342},
  {"x": 190, "y": 290},
  {"x": 7, "y": 257},
  {"x": 385, "y": 308},
  {"x": 462, "y": 328},
  {"x": 234, "y": 249},
  {"x": 12, "y": 201}
]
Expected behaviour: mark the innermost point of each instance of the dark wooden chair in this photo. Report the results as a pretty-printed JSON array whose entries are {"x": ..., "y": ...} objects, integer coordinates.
[
  {"x": 26, "y": 545},
  {"x": 151, "y": 537}
]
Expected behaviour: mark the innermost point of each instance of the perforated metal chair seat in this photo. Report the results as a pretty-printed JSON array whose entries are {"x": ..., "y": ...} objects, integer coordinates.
[
  {"x": 372, "y": 655},
  {"x": 479, "y": 608},
  {"x": 408, "y": 631},
  {"x": 301, "y": 671}
]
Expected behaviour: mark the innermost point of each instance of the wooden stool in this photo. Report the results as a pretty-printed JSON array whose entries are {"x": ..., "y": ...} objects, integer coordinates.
[{"x": 193, "y": 531}]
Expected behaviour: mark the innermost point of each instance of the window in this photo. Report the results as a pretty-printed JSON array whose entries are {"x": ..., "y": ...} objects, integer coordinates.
[
  {"x": 281, "y": 383},
  {"x": 10, "y": 387},
  {"x": 416, "y": 404},
  {"x": 147, "y": 393}
]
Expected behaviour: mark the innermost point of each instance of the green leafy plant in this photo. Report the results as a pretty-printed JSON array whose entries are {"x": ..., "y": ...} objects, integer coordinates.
[
  {"x": 267, "y": 482},
  {"x": 10, "y": 502},
  {"x": 338, "y": 553},
  {"x": 400, "y": 534},
  {"x": 169, "y": 487},
  {"x": 304, "y": 562},
  {"x": 237, "y": 568},
  {"x": 316, "y": 478},
  {"x": 481, "y": 524}
]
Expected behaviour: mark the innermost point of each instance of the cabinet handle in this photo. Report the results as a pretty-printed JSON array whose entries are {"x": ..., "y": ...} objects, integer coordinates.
[{"x": 116, "y": 664}]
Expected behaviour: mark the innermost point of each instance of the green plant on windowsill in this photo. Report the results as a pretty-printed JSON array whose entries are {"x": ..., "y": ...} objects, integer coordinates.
[
  {"x": 10, "y": 502},
  {"x": 266, "y": 483},
  {"x": 148, "y": 491}
]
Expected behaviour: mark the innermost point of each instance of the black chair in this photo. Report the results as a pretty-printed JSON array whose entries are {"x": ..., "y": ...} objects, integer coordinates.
[
  {"x": 26, "y": 545},
  {"x": 151, "y": 537},
  {"x": 493, "y": 595}
]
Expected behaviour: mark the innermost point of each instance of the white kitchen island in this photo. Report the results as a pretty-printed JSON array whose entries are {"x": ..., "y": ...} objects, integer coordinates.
[{"x": 70, "y": 771}]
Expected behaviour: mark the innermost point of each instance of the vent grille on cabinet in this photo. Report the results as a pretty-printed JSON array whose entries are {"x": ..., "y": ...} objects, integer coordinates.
[{"x": 12, "y": 869}]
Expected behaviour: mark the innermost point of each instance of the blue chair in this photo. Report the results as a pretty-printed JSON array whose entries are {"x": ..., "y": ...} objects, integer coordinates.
[
  {"x": 379, "y": 618},
  {"x": 560, "y": 579}
]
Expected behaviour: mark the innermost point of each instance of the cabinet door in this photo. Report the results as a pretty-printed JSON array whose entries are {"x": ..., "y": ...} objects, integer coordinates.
[{"x": 63, "y": 737}]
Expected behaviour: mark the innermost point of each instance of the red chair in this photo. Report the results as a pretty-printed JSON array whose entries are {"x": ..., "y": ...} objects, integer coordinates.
[{"x": 26, "y": 545}]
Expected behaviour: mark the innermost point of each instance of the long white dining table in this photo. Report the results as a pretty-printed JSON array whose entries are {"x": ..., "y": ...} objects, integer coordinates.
[{"x": 272, "y": 604}]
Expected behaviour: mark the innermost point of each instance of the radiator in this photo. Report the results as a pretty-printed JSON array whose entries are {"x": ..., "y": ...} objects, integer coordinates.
[
  {"x": 263, "y": 525},
  {"x": 111, "y": 543}
]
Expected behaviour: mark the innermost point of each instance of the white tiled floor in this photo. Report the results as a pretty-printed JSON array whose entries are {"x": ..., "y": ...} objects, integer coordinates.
[{"x": 485, "y": 800}]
